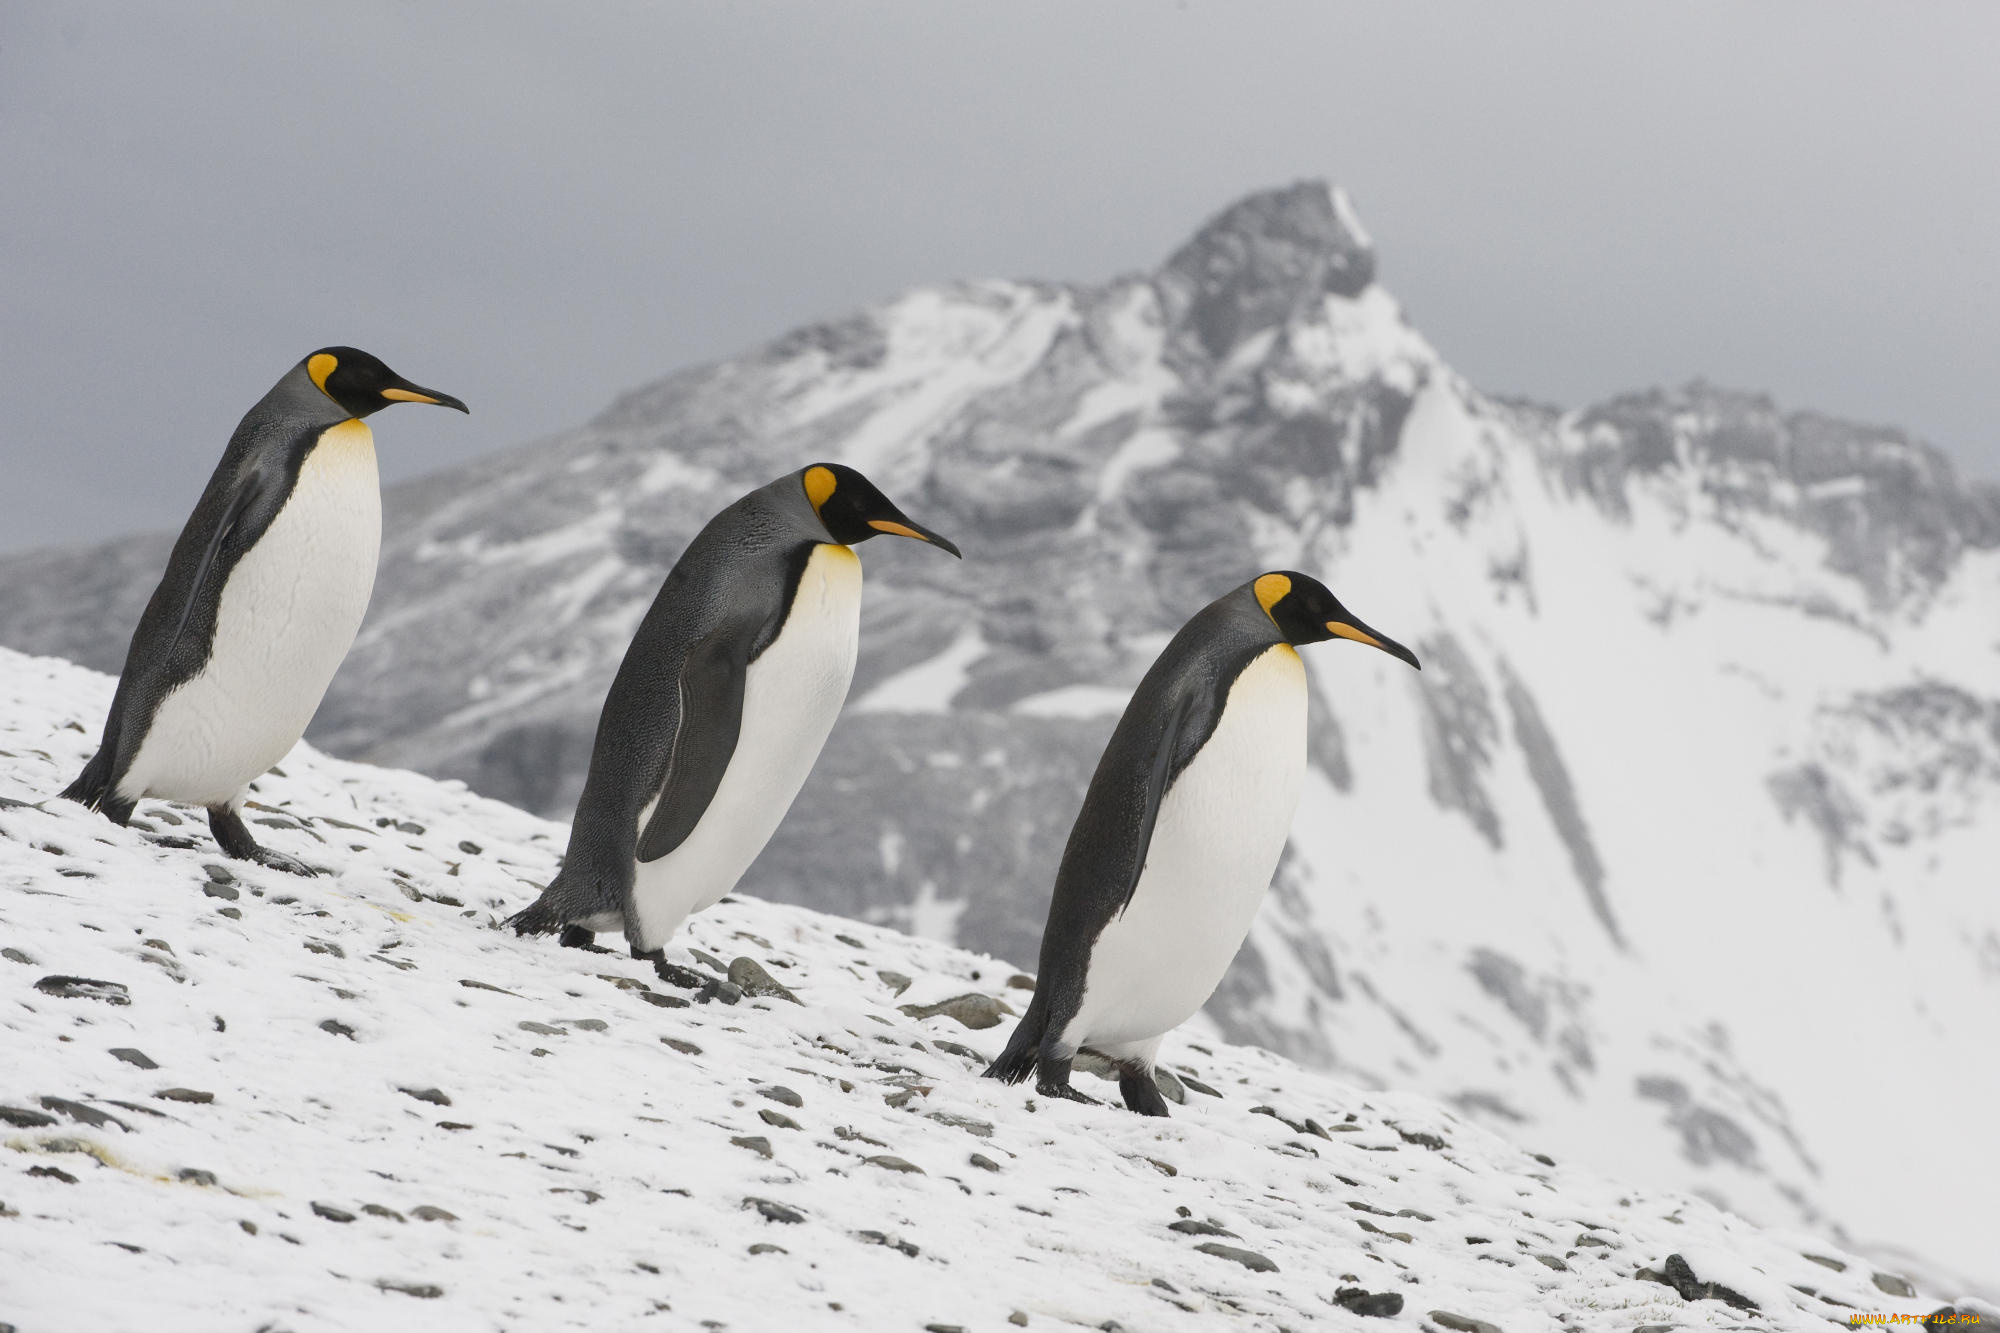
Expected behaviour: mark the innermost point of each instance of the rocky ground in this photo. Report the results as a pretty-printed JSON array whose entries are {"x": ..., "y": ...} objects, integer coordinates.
[{"x": 238, "y": 1099}]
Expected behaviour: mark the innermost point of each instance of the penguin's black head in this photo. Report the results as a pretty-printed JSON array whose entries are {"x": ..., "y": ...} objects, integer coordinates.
[
  {"x": 853, "y": 510},
  {"x": 361, "y": 384},
  {"x": 1305, "y": 612}
]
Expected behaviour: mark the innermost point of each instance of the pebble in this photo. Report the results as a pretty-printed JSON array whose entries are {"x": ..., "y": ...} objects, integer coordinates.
[
  {"x": 377, "y": 1210},
  {"x": 756, "y": 1143},
  {"x": 778, "y": 1119},
  {"x": 185, "y": 1095},
  {"x": 1459, "y": 1323},
  {"x": 889, "y": 1163},
  {"x": 748, "y": 973},
  {"x": 542, "y": 1029},
  {"x": 424, "y": 1291},
  {"x": 1190, "y": 1227},
  {"x": 684, "y": 1047},
  {"x": 194, "y": 1175},
  {"x": 781, "y": 1094},
  {"x": 973, "y": 1010},
  {"x": 895, "y": 981},
  {"x": 469, "y": 847},
  {"x": 13, "y": 955},
  {"x": 979, "y": 1129},
  {"x": 84, "y": 988},
  {"x": 431, "y": 1095},
  {"x": 424, "y": 1212},
  {"x": 53, "y": 1173},
  {"x": 88, "y": 1115},
  {"x": 336, "y": 1027},
  {"x": 1250, "y": 1259},
  {"x": 1360, "y": 1301},
  {"x": 765, "y": 1247},
  {"x": 878, "y": 1238},
  {"x": 22, "y": 1118},
  {"x": 983, "y": 1162},
  {"x": 1892, "y": 1284},
  {"x": 773, "y": 1211},
  {"x": 331, "y": 1213}
]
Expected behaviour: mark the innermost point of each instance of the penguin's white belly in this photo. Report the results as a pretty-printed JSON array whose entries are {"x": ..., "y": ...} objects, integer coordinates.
[
  {"x": 1216, "y": 842},
  {"x": 287, "y": 616},
  {"x": 791, "y": 695}
]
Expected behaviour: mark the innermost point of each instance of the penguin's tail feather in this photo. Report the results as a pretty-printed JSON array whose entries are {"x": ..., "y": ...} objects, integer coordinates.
[
  {"x": 538, "y": 918},
  {"x": 1023, "y": 1048},
  {"x": 94, "y": 790}
]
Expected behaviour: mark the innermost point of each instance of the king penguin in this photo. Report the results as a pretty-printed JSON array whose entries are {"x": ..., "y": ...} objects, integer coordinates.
[
  {"x": 1181, "y": 829},
  {"x": 261, "y": 600},
  {"x": 719, "y": 709}
]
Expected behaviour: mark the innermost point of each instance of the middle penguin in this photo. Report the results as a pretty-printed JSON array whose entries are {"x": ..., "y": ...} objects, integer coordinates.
[{"x": 719, "y": 709}]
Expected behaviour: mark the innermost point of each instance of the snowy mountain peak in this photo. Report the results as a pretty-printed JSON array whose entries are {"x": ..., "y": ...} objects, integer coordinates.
[{"x": 1261, "y": 259}]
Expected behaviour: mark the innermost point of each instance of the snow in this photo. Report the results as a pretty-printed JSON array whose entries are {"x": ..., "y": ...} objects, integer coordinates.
[
  {"x": 928, "y": 686},
  {"x": 595, "y": 1143}
]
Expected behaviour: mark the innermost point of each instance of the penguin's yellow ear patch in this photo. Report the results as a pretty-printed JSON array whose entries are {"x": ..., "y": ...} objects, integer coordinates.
[
  {"x": 819, "y": 486},
  {"x": 1271, "y": 589},
  {"x": 319, "y": 366}
]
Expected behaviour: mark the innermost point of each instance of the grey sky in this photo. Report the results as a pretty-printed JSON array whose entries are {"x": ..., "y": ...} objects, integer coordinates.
[{"x": 537, "y": 206}]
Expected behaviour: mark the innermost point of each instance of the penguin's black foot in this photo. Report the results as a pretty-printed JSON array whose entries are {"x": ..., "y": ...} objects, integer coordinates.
[
  {"x": 576, "y": 937},
  {"x": 234, "y": 838},
  {"x": 1141, "y": 1094},
  {"x": 1045, "y": 1088},
  {"x": 674, "y": 974}
]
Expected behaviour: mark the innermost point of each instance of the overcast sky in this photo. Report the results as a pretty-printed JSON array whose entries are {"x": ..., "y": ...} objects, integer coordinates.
[{"x": 538, "y": 206}]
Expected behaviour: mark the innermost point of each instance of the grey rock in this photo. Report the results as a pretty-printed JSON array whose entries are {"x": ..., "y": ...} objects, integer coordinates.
[
  {"x": 432, "y": 1095},
  {"x": 973, "y": 1010},
  {"x": 972, "y": 1125},
  {"x": 53, "y": 1173},
  {"x": 541, "y": 1029},
  {"x": 684, "y": 1047},
  {"x": 194, "y": 1175},
  {"x": 14, "y": 955},
  {"x": 781, "y": 1094},
  {"x": 424, "y": 1212},
  {"x": 1459, "y": 1323},
  {"x": 1250, "y": 1259},
  {"x": 773, "y": 1211},
  {"x": 756, "y": 1143},
  {"x": 332, "y": 1213},
  {"x": 983, "y": 1162},
  {"x": 765, "y": 1247},
  {"x": 425, "y": 1291},
  {"x": 84, "y": 988},
  {"x": 378, "y": 1210},
  {"x": 895, "y": 981},
  {"x": 1188, "y": 1226},
  {"x": 1360, "y": 1301},
  {"x": 1674, "y": 1272},
  {"x": 1836, "y": 1265},
  {"x": 749, "y": 974},
  {"x": 880, "y": 1238},
  {"x": 1892, "y": 1284},
  {"x": 777, "y": 1119},
  {"x": 889, "y": 1163},
  {"x": 336, "y": 1027},
  {"x": 192, "y": 1096},
  {"x": 22, "y": 1118},
  {"x": 82, "y": 1114}
]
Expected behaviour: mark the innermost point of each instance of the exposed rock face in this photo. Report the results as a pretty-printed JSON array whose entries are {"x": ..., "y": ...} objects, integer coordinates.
[{"x": 1708, "y": 685}]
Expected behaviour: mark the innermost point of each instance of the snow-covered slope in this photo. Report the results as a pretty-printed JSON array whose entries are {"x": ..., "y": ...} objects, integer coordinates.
[
  {"x": 236, "y": 1099},
  {"x": 1690, "y": 818}
]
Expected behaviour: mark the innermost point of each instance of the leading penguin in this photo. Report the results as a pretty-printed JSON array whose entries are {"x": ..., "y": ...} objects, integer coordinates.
[
  {"x": 719, "y": 709},
  {"x": 262, "y": 597},
  {"x": 1180, "y": 832}
]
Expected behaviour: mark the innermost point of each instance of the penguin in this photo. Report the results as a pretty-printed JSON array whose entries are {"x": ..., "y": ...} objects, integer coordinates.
[
  {"x": 261, "y": 599},
  {"x": 719, "y": 709},
  {"x": 1180, "y": 831}
]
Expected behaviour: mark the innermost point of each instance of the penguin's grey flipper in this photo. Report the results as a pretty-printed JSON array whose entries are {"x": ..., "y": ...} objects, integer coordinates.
[
  {"x": 235, "y": 509},
  {"x": 704, "y": 739},
  {"x": 233, "y": 836},
  {"x": 1147, "y": 808}
]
